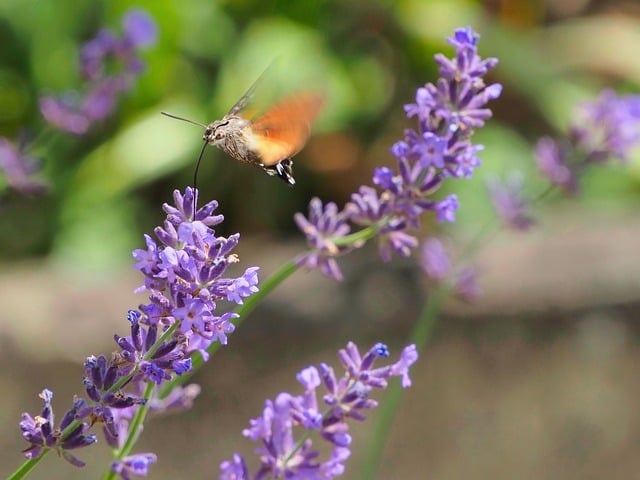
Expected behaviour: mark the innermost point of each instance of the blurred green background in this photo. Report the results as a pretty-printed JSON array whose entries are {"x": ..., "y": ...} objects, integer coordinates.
[{"x": 539, "y": 379}]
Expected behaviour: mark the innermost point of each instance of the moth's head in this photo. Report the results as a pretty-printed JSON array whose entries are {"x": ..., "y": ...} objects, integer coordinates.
[{"x": 216, "y": 132}]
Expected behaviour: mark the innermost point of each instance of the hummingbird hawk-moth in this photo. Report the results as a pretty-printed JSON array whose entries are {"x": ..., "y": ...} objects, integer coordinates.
[{"x": 268, "y": 141}]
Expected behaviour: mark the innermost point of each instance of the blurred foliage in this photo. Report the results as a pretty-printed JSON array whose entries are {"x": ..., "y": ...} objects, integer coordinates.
[{"x": 368, "y": 56}]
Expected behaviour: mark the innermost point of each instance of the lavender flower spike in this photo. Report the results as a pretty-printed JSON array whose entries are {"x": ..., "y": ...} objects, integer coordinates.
[
  {"x": 604, "y": 129},
  {"x": 184, "y": 275},
  {"x": 437, "y": 150},
  {"x": 344, "y": 399}
]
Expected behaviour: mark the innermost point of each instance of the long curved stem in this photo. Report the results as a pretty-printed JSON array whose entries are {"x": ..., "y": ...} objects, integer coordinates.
[
  {"x": 421, "y": 334},
  {"x": 134, "y": 431},
  {"x": 26, "y": 467}
]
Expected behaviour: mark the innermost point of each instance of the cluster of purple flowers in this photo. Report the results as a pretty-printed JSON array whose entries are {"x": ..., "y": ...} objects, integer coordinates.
[
  {"x": 41, "y": 432},
  {"x": 600, "y": 130},
  {"x": 184, "y": 277},
  {"x": 282, "y": 455},
  {"x": 606, "y": 128},
  {"x": 447, "y": 114},
  {"x": 109, "y": 66}
]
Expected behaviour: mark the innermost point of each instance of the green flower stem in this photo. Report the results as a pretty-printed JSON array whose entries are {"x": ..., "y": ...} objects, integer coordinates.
[
  {"x": 363, "y": 235},
  {"x": 134, "y": 431},
  {"x": 27, "y": 466},
  {"x": 545, "y": 193},
  {"x": 492, "y": 228},
  {"x": 42, "y": 140},
  {"x": 421, "y": 335}
]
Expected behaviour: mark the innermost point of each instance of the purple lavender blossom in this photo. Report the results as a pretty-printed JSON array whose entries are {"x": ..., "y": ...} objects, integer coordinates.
[
  {"x": 184, "y": 277},
  {"x": 509, "y": 203},
  {"x": 439, "y": 149},
  {"x": 235, "y": 469},
  {"x": 19, "y": 169},
  {"x": 345, "y": 398},
  {"x": 436, "y": 262},
  {"x": 65, "y": 112},
  {"x": 134, "y": 465},
  {"x": 604, "y": 129},
  {"x": 607, "y": 127},
  {"x": 465, "y": 284},
  {"x": 167, "y": 359},
  {"x": 75, "y": 112},
  {"x": 323, "y": 227},
  {"x": 139, "y": 28},
  {"x": 41, "y": 432},
  {"x": 552, "y": 161}
]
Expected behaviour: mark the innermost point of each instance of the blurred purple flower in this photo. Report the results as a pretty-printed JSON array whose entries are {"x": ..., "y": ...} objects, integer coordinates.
[
  {"x": 65, "y": 112},
  {"x": 134, "y": 465},
  {"x": 552, "y": 161},
  {"x": 600, "y": 130},
  {"x": 465, "y": 284},
  {"x": 440, "y": 148},
  {"x": 19, "y": 169},
  {"x": 435, "y": 260},
  {"x": 607, "y": 127},
  {"x": 509, "y": 204},
  {"x": 139, "y": 28},
  {"x": 235, "y": 469},
  {"x": 345, "y": 398},
  {"x": 75, "y": 112},
  {"x": 437, "y": 263}
]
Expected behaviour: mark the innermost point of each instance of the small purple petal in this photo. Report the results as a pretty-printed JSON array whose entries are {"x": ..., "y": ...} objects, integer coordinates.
[{"x": 140, "y": 28}]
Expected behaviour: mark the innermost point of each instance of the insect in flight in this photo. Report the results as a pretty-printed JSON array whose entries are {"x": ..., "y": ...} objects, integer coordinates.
[{"x": 270, "y": 140}]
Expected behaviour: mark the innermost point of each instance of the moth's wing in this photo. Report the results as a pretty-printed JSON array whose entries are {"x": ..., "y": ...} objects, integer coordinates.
[
  {"x": 244, "y": 99},
  {"x": 282, "y": 131}
]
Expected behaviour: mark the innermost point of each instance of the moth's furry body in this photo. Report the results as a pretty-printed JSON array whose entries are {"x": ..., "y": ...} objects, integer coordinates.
[{"x": 233, "y": 136}]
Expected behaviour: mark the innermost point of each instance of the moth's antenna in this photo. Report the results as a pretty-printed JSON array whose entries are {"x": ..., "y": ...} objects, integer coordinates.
[
  {"x": 195, "y": 174},
  {"x": 183, "y": 119}
]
